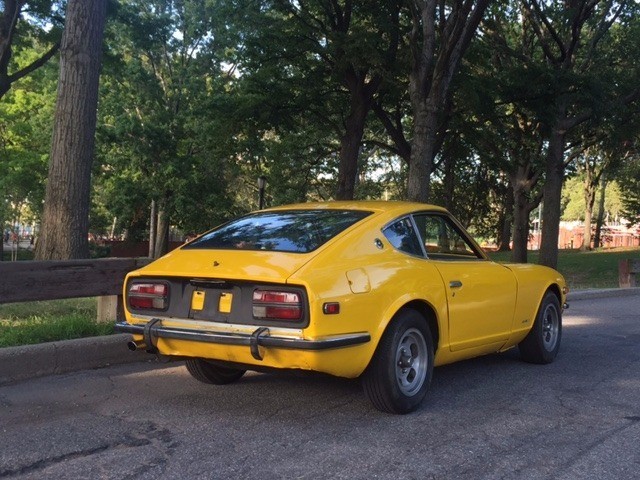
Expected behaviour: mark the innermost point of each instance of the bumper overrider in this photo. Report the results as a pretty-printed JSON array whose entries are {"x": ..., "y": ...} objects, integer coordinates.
[{"x": 260, "y": 337}]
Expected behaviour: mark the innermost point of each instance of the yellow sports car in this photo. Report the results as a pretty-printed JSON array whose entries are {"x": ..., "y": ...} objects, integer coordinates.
[{"x": 383, "y": 291}]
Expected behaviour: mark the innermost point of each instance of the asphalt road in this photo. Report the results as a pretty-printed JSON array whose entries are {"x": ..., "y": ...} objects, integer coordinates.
[{"x": 493, "y": 417}]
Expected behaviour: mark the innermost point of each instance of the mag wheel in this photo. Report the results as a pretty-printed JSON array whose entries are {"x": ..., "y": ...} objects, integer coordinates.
[
  {"x": 542, "y": 343},
  {"x": 212, "y": 373},
  {"x": 400, "y": 372}
]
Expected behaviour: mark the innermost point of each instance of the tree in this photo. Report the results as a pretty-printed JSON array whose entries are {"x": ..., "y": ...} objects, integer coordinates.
[
  {"x": 593, "y": 164},
  {"x": 511, "y": 126},
  {"x": 65, "y": 225},
  {"x": 24, "y": 34},
  {"x": 168, "y": 135},
  {"x": 570, "y": 36},
  {"x": 440, "y": 35},
  {"x": 26, "y": 114},
  {"x": 630, "y": 189},
  {"x": 21, "y": 21},
  {"x": 338, "y": 51}
]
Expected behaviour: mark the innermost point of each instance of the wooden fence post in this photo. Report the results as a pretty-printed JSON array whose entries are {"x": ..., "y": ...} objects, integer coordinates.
[
  {"x": 627, "y": 272},
  {"x": 107, "y": 308}
]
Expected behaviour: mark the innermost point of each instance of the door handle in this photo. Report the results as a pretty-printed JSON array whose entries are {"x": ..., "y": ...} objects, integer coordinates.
[{"x": 455, "y": 284}]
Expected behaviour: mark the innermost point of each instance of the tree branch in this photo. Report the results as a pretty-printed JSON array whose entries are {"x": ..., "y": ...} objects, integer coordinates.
[{"x": 35, "y": 64}]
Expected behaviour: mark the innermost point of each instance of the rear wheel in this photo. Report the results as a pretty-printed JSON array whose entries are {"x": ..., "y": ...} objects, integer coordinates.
[
  {"x": 398, "y": 377},
  {"x": 542, "y": 343},
  {"x": 212, "y": 373}
]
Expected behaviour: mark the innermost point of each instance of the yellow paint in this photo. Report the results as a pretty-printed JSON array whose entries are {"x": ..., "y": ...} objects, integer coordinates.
[
  {"x": 491, "y": 311},
  {"x": 481, "y": 309},
  {"x": 197, "y": 300},
  {"x": 224, "y": 305},
  {"x": 358, "y": 281}
]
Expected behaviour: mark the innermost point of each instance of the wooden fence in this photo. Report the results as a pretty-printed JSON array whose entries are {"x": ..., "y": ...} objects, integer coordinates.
[{"x": 51, "y": 280}]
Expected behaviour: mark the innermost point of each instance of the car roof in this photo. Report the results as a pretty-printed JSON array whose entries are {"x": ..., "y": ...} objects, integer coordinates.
[{"x": 393, "y": 207}]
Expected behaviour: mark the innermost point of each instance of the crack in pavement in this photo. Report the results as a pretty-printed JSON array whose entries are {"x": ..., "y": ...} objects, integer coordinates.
[
  {"x": 47, "y": 462},
  {"x": 599, "y": 440},
  {"x": 144, "y": 434}
]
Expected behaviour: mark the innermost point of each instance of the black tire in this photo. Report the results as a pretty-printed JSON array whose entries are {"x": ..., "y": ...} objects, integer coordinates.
[
  {"x": 542, "y": 343},
  {"x": 399, "y": 375},
  {"x": 212, "y": 373}
]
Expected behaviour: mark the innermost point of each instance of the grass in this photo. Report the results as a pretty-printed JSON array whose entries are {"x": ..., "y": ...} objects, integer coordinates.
[
  {"x": 23, "y": 254},
  {"x": 583, "y": 270},
  {"x": 47, "y": 321}
]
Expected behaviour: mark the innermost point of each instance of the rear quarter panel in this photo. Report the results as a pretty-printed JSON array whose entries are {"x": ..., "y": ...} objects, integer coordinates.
[
  {"x": 385, "y": 280},
  {"x": 533, "y": 283}
]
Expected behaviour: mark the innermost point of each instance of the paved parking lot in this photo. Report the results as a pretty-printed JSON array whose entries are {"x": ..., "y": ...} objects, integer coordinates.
[{"x": 493, "y": 417}]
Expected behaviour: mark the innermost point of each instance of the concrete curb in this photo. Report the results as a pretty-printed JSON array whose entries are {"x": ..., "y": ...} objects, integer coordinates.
[
  {"x": 31, "y": 361},
  {"x": 601, "y": 293}
]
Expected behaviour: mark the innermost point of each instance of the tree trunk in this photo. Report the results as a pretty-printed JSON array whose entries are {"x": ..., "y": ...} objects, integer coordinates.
[
  {"x": 586, "y": 242},
  {"x": 523, "y": 180},
  {"x": 422, "y": 153},
  {"x": 65, "y": 225},
  {"x": 521, "y": 212},
  {"x": 506, "y": 222},
  {"x": 350, "y": 145},
  {"x": 552, "y": 199},
  {"x": 589, "y": 200},
  {"x": 153, "y": 223},
  {"x": 162, "y": 232},
  {"x": 437, "y": 46},
  {"x": 600, "y": 219}
]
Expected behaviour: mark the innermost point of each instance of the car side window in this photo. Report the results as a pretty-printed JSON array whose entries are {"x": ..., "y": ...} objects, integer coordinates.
[
  {"x": 441, "y": 238},
  {"x": 402, "y": 236}
]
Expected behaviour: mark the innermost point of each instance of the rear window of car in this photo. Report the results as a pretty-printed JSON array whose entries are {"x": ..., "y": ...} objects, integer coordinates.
[{"x": 297, "y": 231}]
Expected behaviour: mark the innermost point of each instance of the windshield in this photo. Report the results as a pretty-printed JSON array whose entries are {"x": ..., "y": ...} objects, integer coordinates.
[{"x": 298, "y": 231}]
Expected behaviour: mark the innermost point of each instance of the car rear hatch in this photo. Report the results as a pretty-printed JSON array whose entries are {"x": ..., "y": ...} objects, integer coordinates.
[
  {"x": 221, "y": 286},
  {"x": 259, "y": 266},
  {"x": 238, "y": 272}
]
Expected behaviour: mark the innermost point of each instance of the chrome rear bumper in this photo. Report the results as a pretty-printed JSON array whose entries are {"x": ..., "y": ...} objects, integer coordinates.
[{"x": 259, "y": 337}]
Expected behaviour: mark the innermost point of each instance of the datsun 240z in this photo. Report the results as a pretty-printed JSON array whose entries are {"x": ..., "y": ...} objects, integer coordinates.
[{"x": 381, "y": 291}]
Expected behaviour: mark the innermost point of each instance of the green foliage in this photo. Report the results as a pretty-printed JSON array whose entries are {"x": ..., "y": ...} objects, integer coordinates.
[
  {"x": 573, "y": 200},
  {"x": 630, "y": 190},
  {"x": 26, "y": 115},
  {"x": 156, "y": 140},
  {"x": 199, "y": 98},
  {"x": 24, "y": 26}
]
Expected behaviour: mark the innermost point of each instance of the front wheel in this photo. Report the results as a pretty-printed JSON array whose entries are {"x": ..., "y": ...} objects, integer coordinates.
[
  {"x": 542, "y": 343},
  {"x": 398, "y": 377},
  {"x": 208, "y": 372}
]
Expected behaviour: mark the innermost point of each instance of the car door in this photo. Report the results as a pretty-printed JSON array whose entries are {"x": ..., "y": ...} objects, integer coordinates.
[{"x": 481, "y": 294}]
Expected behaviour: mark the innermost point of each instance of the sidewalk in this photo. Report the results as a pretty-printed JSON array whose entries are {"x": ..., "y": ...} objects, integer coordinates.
[
  {"x": 601, "y": 293},
  {"x": 30, "y": 361}
]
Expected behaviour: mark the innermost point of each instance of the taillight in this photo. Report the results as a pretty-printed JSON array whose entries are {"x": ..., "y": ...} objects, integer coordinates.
[
  {"x": 277, "y": 305},
  {"x": 149, "y": 296}
]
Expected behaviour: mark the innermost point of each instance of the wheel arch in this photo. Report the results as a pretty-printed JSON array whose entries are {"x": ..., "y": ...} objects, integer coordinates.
[
  {"x": 429, "y": 315},
  {"x": 555, "y": 289}
]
